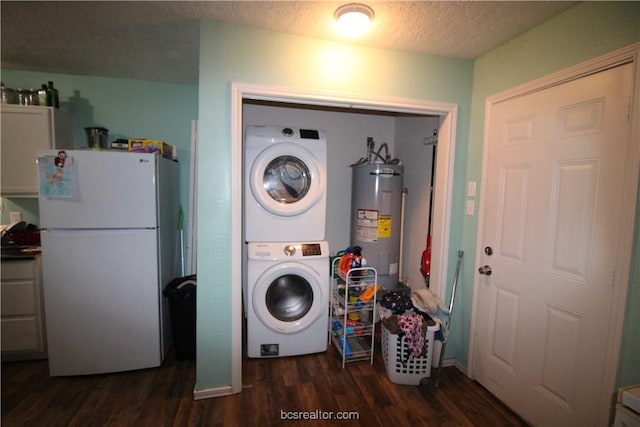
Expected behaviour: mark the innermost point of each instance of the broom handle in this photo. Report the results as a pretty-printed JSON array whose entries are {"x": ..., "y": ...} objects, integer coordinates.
[
  {"x": 455, "y": 283},
  {"x": 453, "y": 295}
]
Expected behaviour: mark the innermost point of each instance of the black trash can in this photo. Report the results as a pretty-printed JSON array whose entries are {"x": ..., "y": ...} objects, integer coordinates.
[{"x": 181, "y": 293}]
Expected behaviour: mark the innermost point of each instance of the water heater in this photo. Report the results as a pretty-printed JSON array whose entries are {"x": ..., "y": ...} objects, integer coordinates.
[{"x": 376, "y": 205}]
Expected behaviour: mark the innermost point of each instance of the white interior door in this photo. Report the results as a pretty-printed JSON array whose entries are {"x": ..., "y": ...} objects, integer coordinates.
[{"x": 553, "y": 188}]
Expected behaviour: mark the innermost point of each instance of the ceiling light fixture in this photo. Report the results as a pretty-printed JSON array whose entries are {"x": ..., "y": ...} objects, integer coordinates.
[{"x": 354, "y": 19}]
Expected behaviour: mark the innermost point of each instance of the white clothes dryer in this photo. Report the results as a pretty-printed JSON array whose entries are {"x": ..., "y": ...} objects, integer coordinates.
[
  {"x": 287, "y": 298},
  {"x": 285, "y": 196}
]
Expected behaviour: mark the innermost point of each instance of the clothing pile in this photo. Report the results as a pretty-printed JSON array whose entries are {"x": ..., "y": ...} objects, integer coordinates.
[
  {"x": 411, "y": 314},
  {"x": 425, "y": 301}
]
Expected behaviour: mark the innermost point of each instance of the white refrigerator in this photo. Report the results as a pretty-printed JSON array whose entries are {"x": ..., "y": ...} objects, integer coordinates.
[{"x": 109, "y": 236}]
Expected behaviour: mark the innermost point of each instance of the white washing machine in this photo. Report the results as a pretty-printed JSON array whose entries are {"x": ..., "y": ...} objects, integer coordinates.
[
  {"x": 285, "y": 197},
  {"x": 287, "y": 298}
]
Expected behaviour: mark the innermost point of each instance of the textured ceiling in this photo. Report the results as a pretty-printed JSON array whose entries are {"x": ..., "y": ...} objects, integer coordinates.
[{"x": 159, "y": 41}]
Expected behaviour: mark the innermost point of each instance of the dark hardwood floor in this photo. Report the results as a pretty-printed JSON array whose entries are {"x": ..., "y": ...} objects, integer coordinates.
[{"x": 274, "y": 389}]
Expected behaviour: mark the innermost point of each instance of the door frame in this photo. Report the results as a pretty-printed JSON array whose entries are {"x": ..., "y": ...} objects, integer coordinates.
[
  {"x": 442, "y": 196},
  {"x": 611, "y": 344}
]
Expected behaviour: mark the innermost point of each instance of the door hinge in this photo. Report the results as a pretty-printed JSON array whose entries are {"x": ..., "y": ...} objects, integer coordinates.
[{"x": 613, "y": 278}]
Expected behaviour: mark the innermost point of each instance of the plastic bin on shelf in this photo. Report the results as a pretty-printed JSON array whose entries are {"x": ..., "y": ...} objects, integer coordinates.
[
  {"x": 181, "y": 293},
  {"x": 402, "y": 367}
]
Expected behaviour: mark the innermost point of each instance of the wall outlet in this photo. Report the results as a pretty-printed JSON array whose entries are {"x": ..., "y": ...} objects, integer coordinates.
[{"x": 15, "y": 217}]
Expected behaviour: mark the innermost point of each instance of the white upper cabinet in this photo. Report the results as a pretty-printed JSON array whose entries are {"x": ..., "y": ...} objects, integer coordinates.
[{"x": 25, "y": 130}]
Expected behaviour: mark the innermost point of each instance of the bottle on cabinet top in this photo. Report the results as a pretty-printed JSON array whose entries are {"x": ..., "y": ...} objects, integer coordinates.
[{"x": 53, "y": 94}]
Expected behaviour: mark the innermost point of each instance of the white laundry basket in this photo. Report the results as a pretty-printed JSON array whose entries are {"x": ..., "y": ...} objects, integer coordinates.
[{"x": 402, "y": 367}]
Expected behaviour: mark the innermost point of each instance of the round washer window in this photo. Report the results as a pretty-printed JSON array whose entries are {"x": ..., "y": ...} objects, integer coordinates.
[
  {"x": 289, "y": 298},
  {"x": 287, "y": 179}
]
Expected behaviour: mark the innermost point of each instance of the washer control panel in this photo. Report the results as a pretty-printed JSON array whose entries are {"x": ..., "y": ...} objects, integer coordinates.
[
  {"x": 304, "y": 133},
  {"x": 311, "y": 249},
  {"x": 283, "y": 250}
]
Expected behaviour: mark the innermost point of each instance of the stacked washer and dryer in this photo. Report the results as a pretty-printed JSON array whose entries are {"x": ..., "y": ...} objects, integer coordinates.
[{"x": 286, "y": 286}]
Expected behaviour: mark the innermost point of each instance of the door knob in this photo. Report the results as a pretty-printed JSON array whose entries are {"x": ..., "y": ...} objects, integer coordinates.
[{"x": 485, "y": 269}]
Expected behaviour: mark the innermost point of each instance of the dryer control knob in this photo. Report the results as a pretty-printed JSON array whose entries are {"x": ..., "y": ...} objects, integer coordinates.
[
  {"x": 289, "y": 250},
  {"x": 287, "y": 132}
]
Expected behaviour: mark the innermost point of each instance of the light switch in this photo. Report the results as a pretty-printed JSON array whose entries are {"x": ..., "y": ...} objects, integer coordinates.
[
  {"x": 471, "y": 207},
  {"x": 471, "y": 189}
]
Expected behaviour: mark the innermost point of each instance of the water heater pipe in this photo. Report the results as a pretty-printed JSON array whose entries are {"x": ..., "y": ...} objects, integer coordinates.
[{"x": 402, "y": 197}]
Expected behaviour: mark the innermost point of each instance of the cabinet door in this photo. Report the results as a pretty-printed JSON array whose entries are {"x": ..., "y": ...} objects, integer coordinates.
[
  {"x": 22, "y": 324},
  {"x": 21, "y": 335},
  {"x": 25, "y": 130}
]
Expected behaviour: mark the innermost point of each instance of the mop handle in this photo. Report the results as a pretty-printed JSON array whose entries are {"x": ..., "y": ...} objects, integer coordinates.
[
  {"x": 453, "y": 295},
  {"x": 455, "y": 281}
]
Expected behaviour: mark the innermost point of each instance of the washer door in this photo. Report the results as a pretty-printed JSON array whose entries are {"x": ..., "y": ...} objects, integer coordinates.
[
  {"x": 285, "y": 179},
  {"x": 289, "y": 297}
]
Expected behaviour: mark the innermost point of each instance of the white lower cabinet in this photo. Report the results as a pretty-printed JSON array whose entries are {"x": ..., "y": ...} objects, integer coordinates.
[
  {"x": 628, "y": 407},
  {"x": 22, "y": 319}
]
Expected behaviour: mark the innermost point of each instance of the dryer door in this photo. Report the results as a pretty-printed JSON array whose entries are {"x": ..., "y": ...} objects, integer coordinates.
[
  {"x": 286, "y": 179},
  {"x": 289, "y": 297}
]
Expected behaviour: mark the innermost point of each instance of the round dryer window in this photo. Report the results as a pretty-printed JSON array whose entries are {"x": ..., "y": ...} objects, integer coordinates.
[
  {"x": 287, "y": 179},
  {"x": 289, "y": 297}
]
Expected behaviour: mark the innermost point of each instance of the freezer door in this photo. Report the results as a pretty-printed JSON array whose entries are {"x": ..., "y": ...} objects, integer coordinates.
[
  {"x": 102, "y": 300},
  {"x": 97, "y": 189}
]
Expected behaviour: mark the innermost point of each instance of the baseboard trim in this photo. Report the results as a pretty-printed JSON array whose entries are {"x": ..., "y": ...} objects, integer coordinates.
[
  {"x": 462, "y": 368},
  {"x": 209, "y": 393}
]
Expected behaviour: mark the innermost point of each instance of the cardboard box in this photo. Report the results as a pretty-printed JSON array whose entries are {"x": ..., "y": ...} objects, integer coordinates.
[
  {"x": 120, "y": 144},
  {"x": 141, "y": 145}
]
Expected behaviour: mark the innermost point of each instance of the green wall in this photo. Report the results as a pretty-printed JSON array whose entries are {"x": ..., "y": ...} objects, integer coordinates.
[
  {"x": 128, "y": 108},
  {"x": 581, "y": 33},
  {"x": 241, "y": 54},
  {"x": 231, "y": 53},
  {"x": 629, "y": 366}
]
